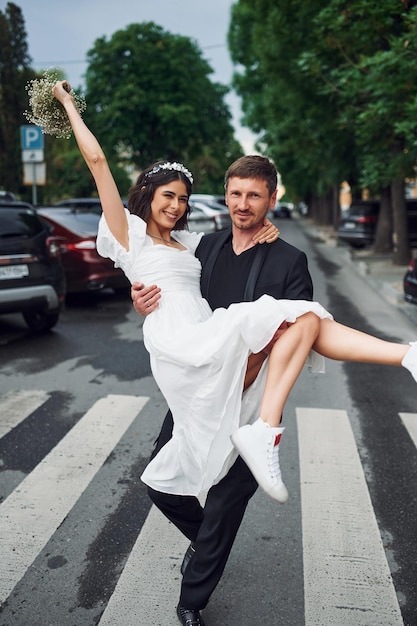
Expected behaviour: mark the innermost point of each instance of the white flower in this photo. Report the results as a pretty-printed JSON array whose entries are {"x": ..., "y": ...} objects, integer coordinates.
[
  {"x": 179, "y": 167},
  {"x": 46, "y": 111}
]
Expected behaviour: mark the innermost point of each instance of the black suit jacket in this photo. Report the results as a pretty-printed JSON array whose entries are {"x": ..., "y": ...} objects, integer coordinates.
[{"x": 279, "y": 269}]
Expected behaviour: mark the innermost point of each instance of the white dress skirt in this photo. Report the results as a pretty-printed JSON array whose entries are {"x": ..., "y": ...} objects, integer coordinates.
[{"x": 198, "y": 357}]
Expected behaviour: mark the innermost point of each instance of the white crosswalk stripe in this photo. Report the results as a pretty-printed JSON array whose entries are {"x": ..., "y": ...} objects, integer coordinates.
[
  {"x": 341, "y": 540},
  {"x": 347, "y": 579},
  {"x": 16, "y": 406},
  {"x": 152, "y": 575},
  {"x": 34, "y": 510},
  {"x": 410, "y": 422}
]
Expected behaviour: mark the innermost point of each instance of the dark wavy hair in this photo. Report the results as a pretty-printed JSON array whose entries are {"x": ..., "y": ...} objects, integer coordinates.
[{"x": 141, "y": 194}]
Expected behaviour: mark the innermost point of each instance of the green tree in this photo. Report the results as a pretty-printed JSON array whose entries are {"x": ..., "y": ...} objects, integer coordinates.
[
  {"x": 332, "y": 85},
  {"x": 14, "y": 73},
  {"x": 368, "y": 56},
  {"x": 69, "y": 177},
  {"x": 150, "y": 97},
  {"x": 296, "y": 122}
]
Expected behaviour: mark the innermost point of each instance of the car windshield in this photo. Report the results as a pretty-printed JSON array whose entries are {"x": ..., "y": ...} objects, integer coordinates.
[
  {"x": 19, "y": 223},
  {"x": 82, "y": 223},
  {"x": 363, "y": 209}
]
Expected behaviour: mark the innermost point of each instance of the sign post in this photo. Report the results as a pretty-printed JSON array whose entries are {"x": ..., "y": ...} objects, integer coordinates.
[{"x": 31, "y": 139}]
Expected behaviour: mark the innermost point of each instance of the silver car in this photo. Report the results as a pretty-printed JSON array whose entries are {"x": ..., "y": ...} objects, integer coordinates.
[{"x": 207, "y": 219}]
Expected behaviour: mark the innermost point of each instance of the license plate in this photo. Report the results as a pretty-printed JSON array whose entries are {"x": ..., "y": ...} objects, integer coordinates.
[
  {"x": 350, "y": 225},
  {"x": 9, "y": 272}
]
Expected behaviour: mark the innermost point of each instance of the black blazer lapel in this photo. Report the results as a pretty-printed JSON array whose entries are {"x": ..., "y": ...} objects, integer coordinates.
[
  {"x": 209, "y": 260},
  {"x": 255, "y": 269}
]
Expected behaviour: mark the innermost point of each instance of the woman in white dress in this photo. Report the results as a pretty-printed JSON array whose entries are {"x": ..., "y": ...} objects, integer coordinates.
[{"x": 199, "y": 358}]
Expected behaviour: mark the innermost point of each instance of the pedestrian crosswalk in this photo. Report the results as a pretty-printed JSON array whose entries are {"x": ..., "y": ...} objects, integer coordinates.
[
  {"x": 16, "y": 406},
  {"x": 151, "y": 574},
  {"x": 347, "y": 579},
  {"x": 34, "y": 510},
  {"x": 341, "y": 541},
  {"x": 410, "y": 422}
]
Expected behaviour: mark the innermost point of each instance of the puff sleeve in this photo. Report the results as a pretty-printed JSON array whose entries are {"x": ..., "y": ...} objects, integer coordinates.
[
  {"x": 108, "y": 246},
  {"x": 187, "y": 239}
]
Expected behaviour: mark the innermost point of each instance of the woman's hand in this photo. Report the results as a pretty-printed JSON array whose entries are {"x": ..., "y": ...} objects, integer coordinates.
[
  {"x": 145, "y": 299},
  {"x": 267, "y": 234},
  {"x": 61, "y": 90}
]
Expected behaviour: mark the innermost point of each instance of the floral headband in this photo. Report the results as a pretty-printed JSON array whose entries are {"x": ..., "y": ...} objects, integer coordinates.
[{"x": 171, "y": 166}]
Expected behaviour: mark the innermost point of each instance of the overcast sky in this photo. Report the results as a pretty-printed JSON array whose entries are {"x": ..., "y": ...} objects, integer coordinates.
[{"x": 61, "y": 33}]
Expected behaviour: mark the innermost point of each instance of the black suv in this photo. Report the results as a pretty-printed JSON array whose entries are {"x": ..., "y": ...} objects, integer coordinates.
[
  {"x": 32, "y": 280},
  {"x": 357, "y": 226}
]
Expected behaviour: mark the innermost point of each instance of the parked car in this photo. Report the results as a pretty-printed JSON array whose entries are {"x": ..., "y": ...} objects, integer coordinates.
[
  {"x": 85, "y": 269},
  {"x": 357, "y": 226},
  {"x": 410, "y": 282},
  {"x": 81, "y": 203},
  {"x": 200, "y": 222},
  {"x": 302, "y": 208},
  {"x": 219, "y": 215},
  {"x": 283, "y": 209},
  {"x": 7, "y": 196},
  {"x": 32, "y": 279},
  {"x": 209, "y": 199}
]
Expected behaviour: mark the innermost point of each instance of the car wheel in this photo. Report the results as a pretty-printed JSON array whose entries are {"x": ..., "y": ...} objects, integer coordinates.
[{"x": 40, "y": 321}]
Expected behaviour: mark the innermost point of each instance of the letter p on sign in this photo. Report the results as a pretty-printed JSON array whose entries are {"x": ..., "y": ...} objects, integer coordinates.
[{"x": 31, "y": 137}]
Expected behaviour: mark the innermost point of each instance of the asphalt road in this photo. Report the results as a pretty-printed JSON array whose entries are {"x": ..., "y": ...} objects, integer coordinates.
[{"x": 81, "y": 544}]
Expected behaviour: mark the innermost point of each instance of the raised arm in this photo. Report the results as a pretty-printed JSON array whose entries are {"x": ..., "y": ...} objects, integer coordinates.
[{"x": 96, "y": 161}]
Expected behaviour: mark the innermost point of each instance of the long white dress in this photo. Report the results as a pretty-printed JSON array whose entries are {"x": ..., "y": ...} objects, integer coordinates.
[{"x": 198, "y": 357}]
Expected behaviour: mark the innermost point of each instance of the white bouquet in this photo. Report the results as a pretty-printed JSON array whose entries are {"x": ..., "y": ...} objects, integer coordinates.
[{"x": 46, "y": 111}]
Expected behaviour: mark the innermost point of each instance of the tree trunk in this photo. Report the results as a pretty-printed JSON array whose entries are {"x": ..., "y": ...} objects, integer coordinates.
[
  {"x": 326, "y": 209},
  {"x": 313, "y": 208},
  {"x": 335, "y": 205},
  {"x": 383, "y": 235},
  {"x": 402, "y": 252}
]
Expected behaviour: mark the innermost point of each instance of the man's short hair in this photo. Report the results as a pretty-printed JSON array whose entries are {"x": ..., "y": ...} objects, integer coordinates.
[{"x": 254, "y": 166}]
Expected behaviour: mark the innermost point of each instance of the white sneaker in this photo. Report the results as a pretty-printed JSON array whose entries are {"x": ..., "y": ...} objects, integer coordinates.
[
  {"x": 410, "y": 360},
  {"x": 258, "y": 445}
]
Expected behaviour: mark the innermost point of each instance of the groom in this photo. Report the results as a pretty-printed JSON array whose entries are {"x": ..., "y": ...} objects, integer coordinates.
[{"x": 233, "y": 270}]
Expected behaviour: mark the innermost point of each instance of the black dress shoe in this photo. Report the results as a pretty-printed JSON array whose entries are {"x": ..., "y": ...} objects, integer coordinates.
[
  {"x": 187, "y": 557},
  {"x": 189, "y": 617}
]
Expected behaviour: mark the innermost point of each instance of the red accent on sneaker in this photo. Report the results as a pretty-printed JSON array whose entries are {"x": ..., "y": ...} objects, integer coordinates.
[{"x": 277, "y": 439}]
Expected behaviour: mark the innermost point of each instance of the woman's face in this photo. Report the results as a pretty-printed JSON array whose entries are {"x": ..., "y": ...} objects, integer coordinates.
[{"x": 168, "y": 205}]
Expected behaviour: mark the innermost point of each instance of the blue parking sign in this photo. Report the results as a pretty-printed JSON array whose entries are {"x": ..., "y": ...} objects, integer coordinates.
[{"x": 31, "y": 137}]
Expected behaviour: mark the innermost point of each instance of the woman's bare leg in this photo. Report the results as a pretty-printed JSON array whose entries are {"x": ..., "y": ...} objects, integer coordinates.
[
  {"x": 255, "y": 362},
  {"x": 328, "y": 338},
  {"x": 258, "y": 444},
  {"x": 287, "y": 358},
  {"x": 341, "y": 343}
]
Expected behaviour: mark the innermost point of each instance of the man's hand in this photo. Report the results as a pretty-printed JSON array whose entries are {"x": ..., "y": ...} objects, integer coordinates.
[
  {"x": 145, "y": 299},
  {"x": 267, "y": 234}
]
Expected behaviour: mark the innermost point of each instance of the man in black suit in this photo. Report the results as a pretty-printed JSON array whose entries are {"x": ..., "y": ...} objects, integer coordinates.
[{"x": 234, "y": 269}]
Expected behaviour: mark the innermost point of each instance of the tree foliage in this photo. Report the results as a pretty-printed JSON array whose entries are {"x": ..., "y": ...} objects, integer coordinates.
[
  {"x": 14, "y": 73},
  {"x": 150, "y": 97},
  {"x": 333, "y": 86},
  {"x": 69, "y": 176},
  {"x": 296, "y": 121}
]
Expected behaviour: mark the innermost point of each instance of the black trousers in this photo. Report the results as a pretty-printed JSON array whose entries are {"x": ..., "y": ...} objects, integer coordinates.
[{"x": 211, "y": 528}]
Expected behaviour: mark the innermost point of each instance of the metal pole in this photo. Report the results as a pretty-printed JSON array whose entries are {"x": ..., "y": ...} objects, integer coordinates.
[{"x": 34, "y": 194}]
